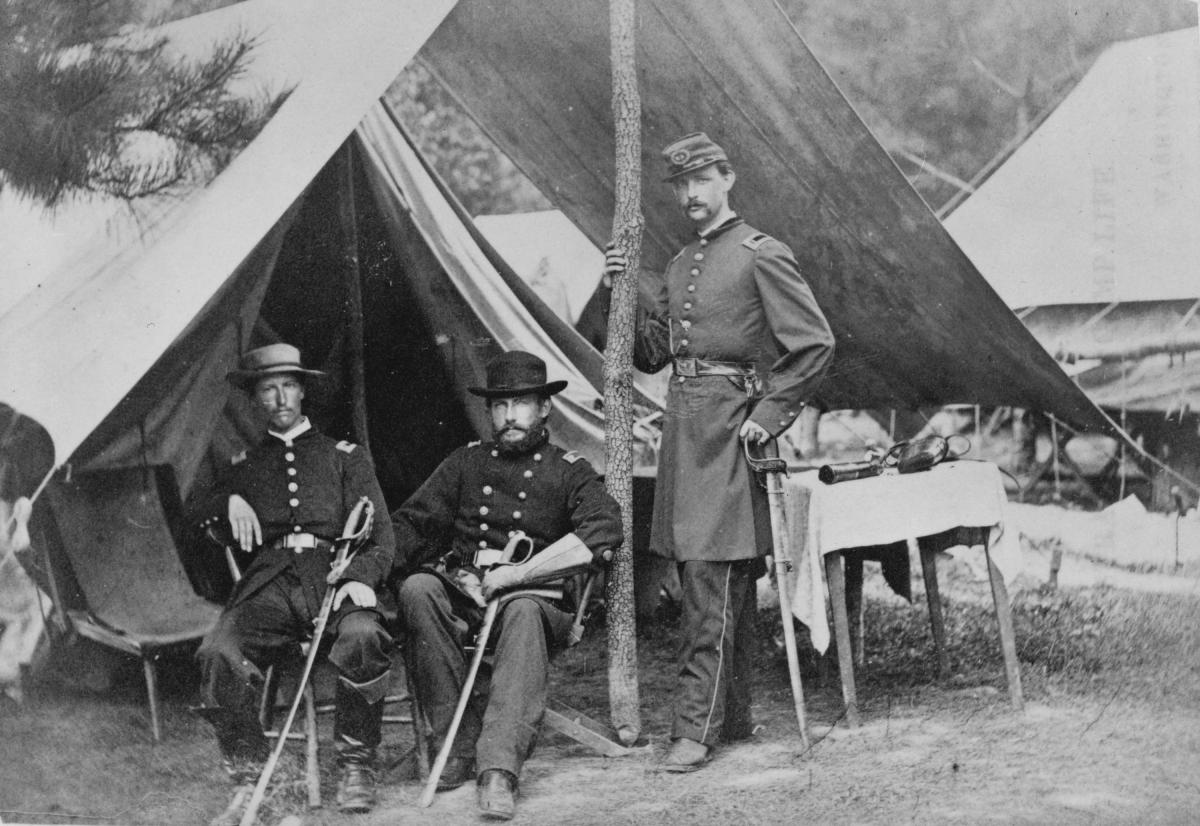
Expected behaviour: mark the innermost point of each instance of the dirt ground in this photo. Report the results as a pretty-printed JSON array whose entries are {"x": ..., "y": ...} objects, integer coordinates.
[{"x": 1109, "y": 733}]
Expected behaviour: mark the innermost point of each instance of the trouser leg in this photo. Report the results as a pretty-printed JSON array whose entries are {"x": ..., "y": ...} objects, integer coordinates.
[
  {"x": 232, "y": 657},
  {"x": 436, "y": 630},
  {"x": 716, "y": 596},
  {"x": 525, "y": 631},
  {"x": 359, "y": 652},
  {"x": 738, "y": 722}
]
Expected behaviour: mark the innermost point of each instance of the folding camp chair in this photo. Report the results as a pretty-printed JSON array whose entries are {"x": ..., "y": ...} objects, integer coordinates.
[
  {"x": 279, "y": 694},
  {"x": 115, "y": 531},
  {"x": 558, "y": 716}
]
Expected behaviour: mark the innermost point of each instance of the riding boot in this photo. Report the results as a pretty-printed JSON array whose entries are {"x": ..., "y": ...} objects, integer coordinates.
[
  {"x": 243, "y": 745},
  {"x": 356, "y": 737}
]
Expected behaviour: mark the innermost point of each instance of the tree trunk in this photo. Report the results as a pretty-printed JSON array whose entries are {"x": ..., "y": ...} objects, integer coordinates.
[{"x": 618, "y": 371}]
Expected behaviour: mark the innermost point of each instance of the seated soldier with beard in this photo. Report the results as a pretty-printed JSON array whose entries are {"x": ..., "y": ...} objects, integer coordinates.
[{"x": 447, "y": 536}]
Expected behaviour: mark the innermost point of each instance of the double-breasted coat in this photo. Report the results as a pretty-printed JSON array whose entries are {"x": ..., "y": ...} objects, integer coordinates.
[
  {"x": 478, "y": 497},
  {"x": 307, "y": 486},
  {"x": 475, "y": 500},
  {"x": 736, "y": 296}
]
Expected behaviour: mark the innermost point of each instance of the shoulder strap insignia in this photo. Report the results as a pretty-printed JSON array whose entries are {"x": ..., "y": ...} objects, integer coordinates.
[
  {"x": 238, "y": 459},
  {"x": 475, "y": 443},
  {"x": 346, "y": 447},
  {"x": 571, "y": 457},
  {"x": 756, "y": 240}
]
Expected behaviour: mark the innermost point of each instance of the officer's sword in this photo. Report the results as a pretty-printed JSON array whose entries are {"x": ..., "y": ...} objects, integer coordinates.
[
  {"x": 358, "y": 527},
  {"x": 774, "y": 468},
  {"x": 489, "y": 618}
]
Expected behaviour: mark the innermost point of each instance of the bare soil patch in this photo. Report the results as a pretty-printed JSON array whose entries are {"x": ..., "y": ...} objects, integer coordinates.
[{"x": 1109, "y": 734}]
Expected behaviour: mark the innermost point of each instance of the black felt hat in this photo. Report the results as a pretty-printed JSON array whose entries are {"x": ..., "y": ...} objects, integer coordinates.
[{"x": 517, "y": 373}]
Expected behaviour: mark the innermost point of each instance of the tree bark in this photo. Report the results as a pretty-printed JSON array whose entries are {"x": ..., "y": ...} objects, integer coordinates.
[{"x": 618, "y": 370}]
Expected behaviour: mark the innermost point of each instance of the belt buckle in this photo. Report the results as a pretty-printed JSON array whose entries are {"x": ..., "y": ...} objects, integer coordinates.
[
  {"x": 299, "y": 541},
  {"x": 686, "y": 367}
]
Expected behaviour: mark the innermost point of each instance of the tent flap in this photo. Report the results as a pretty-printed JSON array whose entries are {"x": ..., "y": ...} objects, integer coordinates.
[
  {"x": 915, "y": 322},
  {"x": 126, "y": 303}
]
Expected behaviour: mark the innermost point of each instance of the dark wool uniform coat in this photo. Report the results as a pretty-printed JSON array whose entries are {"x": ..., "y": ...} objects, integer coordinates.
[
  {"x": 478, "y": 497},
  {"x": 309, "y": 486},
  {"x": 737, "y": 296}
]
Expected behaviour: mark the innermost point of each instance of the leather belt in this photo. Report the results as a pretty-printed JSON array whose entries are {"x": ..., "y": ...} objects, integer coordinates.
[
  {"x": 694, "y": 367},
  {"x": 487, "y": 557},
  {"x": 300, "y": 541}
]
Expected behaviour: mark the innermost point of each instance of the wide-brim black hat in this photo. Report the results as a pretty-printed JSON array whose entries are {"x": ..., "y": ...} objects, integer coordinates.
[
  {"x": 267, "y": 361},
  {"x": 517, "y": 373}
]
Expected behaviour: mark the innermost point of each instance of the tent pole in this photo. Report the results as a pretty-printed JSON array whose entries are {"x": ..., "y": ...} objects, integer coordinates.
[
  {"x": 348, "y": 219},
  {"x": 1124, "y": 426},
  {"x": 1054, "y": 447}
]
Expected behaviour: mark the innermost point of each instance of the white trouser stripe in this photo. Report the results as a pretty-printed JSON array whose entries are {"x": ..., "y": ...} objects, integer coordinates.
[{"x": 712, "y": 703}]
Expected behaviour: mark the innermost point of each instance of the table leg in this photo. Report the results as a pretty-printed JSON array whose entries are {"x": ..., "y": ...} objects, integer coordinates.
[
  {"x": 854, "y": 605},
  {"x": 936, "y": 621},
  {"x": 1008, "y": 640},
  {"x": 841, "y": 627}
]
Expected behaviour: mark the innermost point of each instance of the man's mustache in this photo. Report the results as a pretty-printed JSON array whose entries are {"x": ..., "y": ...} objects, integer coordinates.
[{"x": 511, "y": 427}]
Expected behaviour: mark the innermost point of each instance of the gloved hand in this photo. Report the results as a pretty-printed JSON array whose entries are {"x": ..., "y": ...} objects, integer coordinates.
[
  {"x": 502, "y": 578},
  {"x": 360, "y": 594}
]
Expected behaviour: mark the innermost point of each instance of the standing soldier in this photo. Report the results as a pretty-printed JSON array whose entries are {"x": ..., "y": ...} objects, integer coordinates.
[
  {"x": 447, "y": 536},
  {"x": 748, "y": 345},
  {"x": 285, "y": 500}
]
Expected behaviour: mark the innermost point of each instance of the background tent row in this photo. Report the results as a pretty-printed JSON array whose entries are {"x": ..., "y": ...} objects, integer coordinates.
[{"x": 1088, "y": 230}]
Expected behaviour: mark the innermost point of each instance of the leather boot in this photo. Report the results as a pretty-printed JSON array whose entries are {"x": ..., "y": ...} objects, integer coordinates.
[
  {"x": 244, "y": 747},
  {"x": 497, "y": 794},
  {"x": 356, "y": 735},
  {"x": 458, "y": 770},
  {"x": 356, "y": 789}
]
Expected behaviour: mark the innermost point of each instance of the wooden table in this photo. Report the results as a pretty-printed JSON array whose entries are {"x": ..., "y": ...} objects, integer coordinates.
[{"x": 831, "y": 522}]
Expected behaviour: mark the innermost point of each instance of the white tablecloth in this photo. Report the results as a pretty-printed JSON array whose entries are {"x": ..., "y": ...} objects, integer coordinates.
[{"x": 884, "y": 509}]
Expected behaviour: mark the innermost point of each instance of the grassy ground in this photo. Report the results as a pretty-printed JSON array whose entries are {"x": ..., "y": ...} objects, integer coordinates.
[{"x": 1112, "y": 679}]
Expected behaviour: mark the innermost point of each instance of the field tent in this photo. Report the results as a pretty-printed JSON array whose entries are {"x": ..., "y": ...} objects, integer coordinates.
[
  {"x": 120, "y": 353},
  {"x": 1088, "y": 228},
  {"x": 915, "y": 323}
]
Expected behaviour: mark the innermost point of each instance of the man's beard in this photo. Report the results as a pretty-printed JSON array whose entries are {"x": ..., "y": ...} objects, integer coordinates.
[{"x": 532, "y": 439}]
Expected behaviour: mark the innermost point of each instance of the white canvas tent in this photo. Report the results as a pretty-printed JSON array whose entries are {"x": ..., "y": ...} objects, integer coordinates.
[
  {"x": 1089, "y": 227},
  {"x": 1100, "y": 203},
  {"x": 551, "y": 254},
  {"x": 119, "y": 350},
  {"x": 125, "y": 303}
]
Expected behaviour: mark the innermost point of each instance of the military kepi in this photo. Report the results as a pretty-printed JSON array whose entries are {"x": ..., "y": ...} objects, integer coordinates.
[
  {"x": 517, "y": 373},
  {"x": 691, "y": 152},
  {"x": 266, "y": 361}
]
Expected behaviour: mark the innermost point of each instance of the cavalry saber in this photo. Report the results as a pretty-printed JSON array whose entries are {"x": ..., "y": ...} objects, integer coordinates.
[
  {"x": 489, "y": 618},
  {"x": 364, "y": 512},
  {"x": 774, "y": 469}
]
